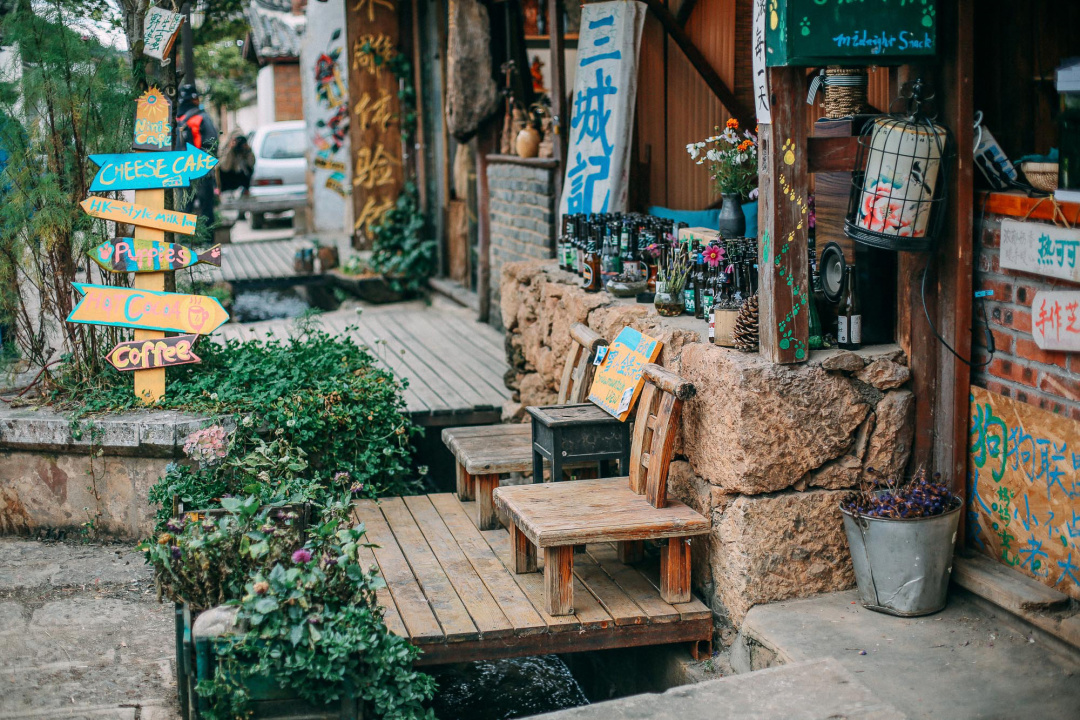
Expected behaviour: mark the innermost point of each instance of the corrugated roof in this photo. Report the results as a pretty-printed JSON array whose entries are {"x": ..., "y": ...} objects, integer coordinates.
[{"x": 275, "y": 32}]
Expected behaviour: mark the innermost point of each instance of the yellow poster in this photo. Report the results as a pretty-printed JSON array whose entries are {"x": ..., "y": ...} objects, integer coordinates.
[{"x": 621, "y": 375}]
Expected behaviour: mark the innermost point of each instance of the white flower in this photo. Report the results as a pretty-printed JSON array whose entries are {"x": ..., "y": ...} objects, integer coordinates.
[
  {"x": 754, "y": 194},
  {"x": 692, "y": 149},
  {"x": 713, "y": 155}
]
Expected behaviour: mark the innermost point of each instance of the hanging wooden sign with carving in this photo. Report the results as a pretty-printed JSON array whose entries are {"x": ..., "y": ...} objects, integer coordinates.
[
  {"x": 1041, "y": 249},
  {"x": 159, "y": 32}
]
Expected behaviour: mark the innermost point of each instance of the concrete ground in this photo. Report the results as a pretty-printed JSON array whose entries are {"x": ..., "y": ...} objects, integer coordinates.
[{"x": 82, "y": 634}]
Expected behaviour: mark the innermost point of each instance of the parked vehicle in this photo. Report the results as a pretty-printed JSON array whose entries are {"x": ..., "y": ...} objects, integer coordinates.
[{"x": 279, "y": 182}]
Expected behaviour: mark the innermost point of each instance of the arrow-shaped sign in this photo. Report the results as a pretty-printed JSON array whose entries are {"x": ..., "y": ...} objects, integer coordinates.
[
  {"x": 155, "y": 353},
  {"x": 139, "y": 255},
  {"x": 147, "y": 309},
  {"x": 132, "y": 214},
  {"x": 147, "y": 171}
]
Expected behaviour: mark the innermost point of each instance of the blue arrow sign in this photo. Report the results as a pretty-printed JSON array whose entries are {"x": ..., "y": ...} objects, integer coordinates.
[{"x": 146, "y": 171}]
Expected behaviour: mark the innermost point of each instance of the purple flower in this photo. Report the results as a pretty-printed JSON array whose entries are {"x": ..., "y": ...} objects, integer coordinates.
[
  {"x": 176, "y": 553},
  {"x": 302, "y": 555},
  {"x": 174, "y": 525}
]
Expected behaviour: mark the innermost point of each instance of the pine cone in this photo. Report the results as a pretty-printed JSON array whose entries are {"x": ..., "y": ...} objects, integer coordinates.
[{"x": 745, "y": 334}]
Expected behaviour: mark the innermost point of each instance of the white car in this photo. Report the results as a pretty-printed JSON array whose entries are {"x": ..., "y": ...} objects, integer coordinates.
[{"x": 279, "y": 181}]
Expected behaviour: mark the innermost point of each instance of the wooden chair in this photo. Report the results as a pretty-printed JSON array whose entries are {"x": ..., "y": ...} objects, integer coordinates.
[
  {"x": 484, "y": 452},
  {"x": 557, "y": 516}
]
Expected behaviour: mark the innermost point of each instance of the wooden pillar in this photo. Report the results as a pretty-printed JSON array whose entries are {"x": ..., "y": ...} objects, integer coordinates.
[
  {"x": 485, "y": 143},
  {"x": 464, "y": 483},
  {"x": 486, "y": 517},
  {"x": 375, "y": 112},
  {"x": 559, "y": 580},
  {"x": 631, "y": 551},
  {"x": 557, "y": 65},
  {"x": 675, "y": 570},
  {"x": 150, "y": 384},
  {"x": 524, "y": 552},
  {"x": 783, "y": 286}
]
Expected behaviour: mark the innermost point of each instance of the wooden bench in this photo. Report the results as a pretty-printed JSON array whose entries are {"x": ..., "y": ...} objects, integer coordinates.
[
  {"x": 485, "y": 452},
  {"x": 555, "y": 517}
]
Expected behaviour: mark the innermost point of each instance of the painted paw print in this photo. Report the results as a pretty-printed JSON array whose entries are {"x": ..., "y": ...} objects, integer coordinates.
[
  {"x": 789, "y": 152},
  {"x": 804, "y": 26},
  {"x": 774, "y": 17},
  {"x": 928, "y": 14}
]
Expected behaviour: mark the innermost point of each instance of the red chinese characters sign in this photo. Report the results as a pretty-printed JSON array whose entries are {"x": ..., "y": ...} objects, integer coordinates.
[{"x": 1055, "y": 320}]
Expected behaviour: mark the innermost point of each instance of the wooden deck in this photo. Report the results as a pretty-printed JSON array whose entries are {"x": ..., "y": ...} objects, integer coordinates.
[
  {"x": 452, "y": 591},
  {"x": 454, "y": 365},
  {"x": 264, "y": 263}
]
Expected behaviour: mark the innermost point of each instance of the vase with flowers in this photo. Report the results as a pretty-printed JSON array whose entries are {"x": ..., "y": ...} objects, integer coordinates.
[{"x": 733, "y": 166}]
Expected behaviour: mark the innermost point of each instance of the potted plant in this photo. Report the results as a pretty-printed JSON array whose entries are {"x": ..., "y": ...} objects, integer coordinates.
[
  {"x": 901, "y": 537},
  {"x": 733, "y": 166},
  {"x": 673, "y": 268}
]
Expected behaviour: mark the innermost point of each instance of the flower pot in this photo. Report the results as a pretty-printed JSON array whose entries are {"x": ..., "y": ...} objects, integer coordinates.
[
  {"x": 528, "y": 142},
  {"x": 732, "y": 218},
  {"x": 668, "y": 304},
  {"x": 902, "y": 567},
  {"x": 724, "y": 326}
]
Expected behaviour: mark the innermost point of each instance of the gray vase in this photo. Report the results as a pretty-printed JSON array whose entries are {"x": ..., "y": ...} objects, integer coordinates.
[{"x": 732, "y": 218}]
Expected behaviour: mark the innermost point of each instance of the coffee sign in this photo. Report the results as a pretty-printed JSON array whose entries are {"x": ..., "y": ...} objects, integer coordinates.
[
  {"x": 153, "y": 124},
  {"x": 1055, "y": 320},
  {"x": 154, "y": 353},
  {"x": 1041, "y": 249}
]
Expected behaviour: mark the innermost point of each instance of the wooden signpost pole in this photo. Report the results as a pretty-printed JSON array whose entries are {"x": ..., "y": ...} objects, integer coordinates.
[{"x": 150, "y": 384}]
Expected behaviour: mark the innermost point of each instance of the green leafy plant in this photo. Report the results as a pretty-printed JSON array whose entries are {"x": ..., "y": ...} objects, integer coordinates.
[
  {"x": 733, "y": 160},
  {"x": 399, "y": 251},
  {"x": 310, "y": 621}
]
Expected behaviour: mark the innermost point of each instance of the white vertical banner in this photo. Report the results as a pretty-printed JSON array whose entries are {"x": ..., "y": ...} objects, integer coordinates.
[
  {"x": 602, "y": 108},
  {"x": 762, "y": 107},
  {"x": 324, "y": 84}
]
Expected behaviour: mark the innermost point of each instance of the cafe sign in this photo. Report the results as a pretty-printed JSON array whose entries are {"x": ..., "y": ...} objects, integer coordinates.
[
  {"x": 147, "y": 309},
  {"x": 1040, "y": 249}
]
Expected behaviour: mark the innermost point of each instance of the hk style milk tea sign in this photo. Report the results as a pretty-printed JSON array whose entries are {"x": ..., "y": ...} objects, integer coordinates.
[
  {"x": 621, "y": 375},
  {"x": 146, "y": 308}
]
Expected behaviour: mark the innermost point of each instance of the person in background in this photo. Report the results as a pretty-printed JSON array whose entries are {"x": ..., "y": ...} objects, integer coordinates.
[
  {"x": 195, "y": 127},
  {"x": 237, "y": 164}
]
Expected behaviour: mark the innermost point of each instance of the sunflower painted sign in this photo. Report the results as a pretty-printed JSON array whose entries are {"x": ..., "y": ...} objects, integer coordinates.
[{"x": 153, "y": 124}]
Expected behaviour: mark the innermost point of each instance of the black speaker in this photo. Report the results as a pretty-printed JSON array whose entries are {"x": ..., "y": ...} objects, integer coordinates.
[{"x": 875, "y": 272}]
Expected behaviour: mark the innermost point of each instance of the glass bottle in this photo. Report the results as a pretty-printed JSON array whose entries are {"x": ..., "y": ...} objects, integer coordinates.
[
  {"x": 816, "y": 341},
  {"x": 849, "y": 316},
  {"x": 690, "y": 289},
  {"x": 590, "y": 268},
  {"x": 700, "y": 278}
]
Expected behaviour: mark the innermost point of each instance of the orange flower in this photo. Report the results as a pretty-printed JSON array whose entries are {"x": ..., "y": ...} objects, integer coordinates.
[
  {"x": 733, "y": 123},
  {"x": 745, "y": 145}
]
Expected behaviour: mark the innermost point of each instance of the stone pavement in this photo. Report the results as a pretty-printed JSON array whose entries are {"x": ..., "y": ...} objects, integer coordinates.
[{"x": 82, "y": 634}]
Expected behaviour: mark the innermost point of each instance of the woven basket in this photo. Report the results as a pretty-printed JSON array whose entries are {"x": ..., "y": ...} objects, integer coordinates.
[
  {"x": 845, "y": 91},
  {"x": 1042, "y": 176}
]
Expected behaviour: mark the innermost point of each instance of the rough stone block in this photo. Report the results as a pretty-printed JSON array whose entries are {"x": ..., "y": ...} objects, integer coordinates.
[
  {"x": 776, "y": 547},
  {"x": 890, "y": 443},
  {"x": 756, "y": 427},
  {"x": 884, "y": 374}
]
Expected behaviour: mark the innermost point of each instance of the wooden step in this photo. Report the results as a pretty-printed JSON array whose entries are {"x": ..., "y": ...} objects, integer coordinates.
[{"x": 1008, "y": 588}]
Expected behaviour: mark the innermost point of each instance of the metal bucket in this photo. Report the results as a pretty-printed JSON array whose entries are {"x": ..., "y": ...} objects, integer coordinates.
[{"x": 902, "y": 567}]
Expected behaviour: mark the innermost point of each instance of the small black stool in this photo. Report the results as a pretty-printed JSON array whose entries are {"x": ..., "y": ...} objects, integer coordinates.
[{"x": 575, "y": 434}]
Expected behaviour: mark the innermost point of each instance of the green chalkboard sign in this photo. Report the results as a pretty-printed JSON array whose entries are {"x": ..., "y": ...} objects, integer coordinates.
[{"x": 848, "y": 32}]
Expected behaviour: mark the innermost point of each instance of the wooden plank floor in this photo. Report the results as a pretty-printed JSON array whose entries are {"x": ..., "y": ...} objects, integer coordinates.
[
  {"x": 263, "y": 263},
  {"x": 452, "y": 592},
  {"x": 454, "y": 365}
]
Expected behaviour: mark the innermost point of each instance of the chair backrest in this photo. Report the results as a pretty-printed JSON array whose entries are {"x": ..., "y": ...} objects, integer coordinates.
[
  {"x": 578, "y": 372},
  {"x": 655, "y": 427}
]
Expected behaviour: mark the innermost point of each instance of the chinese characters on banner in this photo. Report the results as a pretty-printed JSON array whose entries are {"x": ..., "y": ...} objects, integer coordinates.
[
  {"x": 1024, "y": 489},
  {"x": 1041, "y": 249},
  {"x": 1055, "y": 320},
  {"x": 602, "y": 115},
  {"x": 324, "y": 58},
  {"x": 762, "y": 107},
  {"x": 375, "y": 124}
]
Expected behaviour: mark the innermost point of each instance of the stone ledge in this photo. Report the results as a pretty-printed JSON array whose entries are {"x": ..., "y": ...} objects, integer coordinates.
[{"x": 150, "y": 433}]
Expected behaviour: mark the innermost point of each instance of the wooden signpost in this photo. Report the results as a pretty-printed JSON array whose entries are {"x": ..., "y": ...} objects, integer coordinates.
[
  {"x": 141, "y": 256},
  {"x": 150, "y": 354},
  {"x": 131, "y": 214},
  {"x": 621, "y": 375},
  {"x": 159, "y": 32},
  {"x": 146, "y": 307},
  {"x": 1055, "y": 320},
  {"x": 150, "y": 171},
  {"x": 153, "y": 123},
  {"x": 142, "y": 309}
]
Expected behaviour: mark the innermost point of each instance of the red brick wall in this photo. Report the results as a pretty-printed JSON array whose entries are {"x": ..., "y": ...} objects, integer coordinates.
[
  {"x": 1020, "y": 370},
  {"x": 288, "y": 103}
]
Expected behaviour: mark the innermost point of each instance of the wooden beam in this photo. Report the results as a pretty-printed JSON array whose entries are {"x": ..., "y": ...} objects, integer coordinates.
[
  {"x": 783, "y": 287},
  {"x": 738, "y": 110},
  {"x": 685, "y": 11},
  {"x": 831, "y": 154},
  {"x": 484, "y": 144},
  {"x": 557, "y": 64}
]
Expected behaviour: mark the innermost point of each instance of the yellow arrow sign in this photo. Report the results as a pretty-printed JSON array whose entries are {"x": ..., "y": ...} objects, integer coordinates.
[
  {"x": 125, "y": 212},
  {"x": 147, "y": 309}
]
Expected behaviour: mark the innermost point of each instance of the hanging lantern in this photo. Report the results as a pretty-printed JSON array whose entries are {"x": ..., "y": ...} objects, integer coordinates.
[{"x": 900, "y": 186}]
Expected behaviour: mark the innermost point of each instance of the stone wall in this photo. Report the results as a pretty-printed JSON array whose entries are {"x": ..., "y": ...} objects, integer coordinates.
[
  {"x": 522, "y": 209},
  {"x": 766, "y": 450},
  {"x": 55, "y": 476}
]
